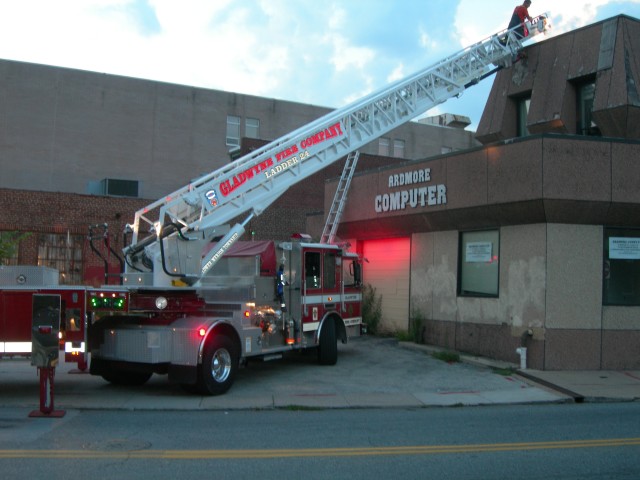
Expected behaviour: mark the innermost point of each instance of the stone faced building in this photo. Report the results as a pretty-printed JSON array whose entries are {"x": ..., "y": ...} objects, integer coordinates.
[{"x": 533, "y": 239}]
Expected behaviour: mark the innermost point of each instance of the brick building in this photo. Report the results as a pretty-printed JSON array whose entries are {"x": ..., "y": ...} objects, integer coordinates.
[{"x": 533, "y": 239}]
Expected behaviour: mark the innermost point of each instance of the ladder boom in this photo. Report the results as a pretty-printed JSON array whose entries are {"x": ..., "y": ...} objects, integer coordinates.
[{"x": 254, "y": 181}]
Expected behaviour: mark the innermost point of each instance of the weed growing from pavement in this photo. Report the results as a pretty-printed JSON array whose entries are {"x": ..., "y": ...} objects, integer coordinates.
[
  {"x": 503, "y": 371},
  {"x": 371, "y": 308},
  {"x": 449, "y": 357}
]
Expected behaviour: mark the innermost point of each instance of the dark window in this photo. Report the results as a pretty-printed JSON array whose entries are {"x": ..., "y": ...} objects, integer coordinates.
[
  {"x": 621, "y": 271},
  {"x": 312, "y": 269},
  {"x": 585, "y": 123},
  {"x": 478, "y": 264},
  {"x": 523, "y": 111},
  {"x": 329, "y": 272},
  {"x": 119, "y": 188}
]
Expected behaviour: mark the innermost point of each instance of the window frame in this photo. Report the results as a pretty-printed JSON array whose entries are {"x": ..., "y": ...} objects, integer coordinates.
[
  {"x": 522, "y": 108},
  {"x": 620, "y": 265},
  {"x": 585, "y": 94},
  {"x": 252, "y": 128},
  {"x": 398, "y": 148},
  {"x": 476, "y": 236},
  {"x": 384, "y": 147},
  {"x": 233, "y": 122},
  {"x": 55, "y": 254}
]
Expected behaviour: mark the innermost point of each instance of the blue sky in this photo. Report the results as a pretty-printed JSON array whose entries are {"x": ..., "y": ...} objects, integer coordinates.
[{"x": 319, "y": 52}]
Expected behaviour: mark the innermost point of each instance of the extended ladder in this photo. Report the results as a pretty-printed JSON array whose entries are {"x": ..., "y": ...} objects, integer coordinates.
[
  {"x": 197, "y": 212},
  {"x": 339, "y": 199}
]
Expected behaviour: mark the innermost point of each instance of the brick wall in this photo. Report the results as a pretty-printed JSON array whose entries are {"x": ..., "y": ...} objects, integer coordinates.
[{"x": 40, "y": 212}]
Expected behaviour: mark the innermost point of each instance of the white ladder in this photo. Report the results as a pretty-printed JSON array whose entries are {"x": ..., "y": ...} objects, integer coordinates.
[{"x": 339, "y": 199}]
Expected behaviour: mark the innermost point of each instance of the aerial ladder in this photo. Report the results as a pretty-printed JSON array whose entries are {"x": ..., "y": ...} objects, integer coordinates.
[
  {"x": 168, "y": 236},
  {"x": 339, "y": 199}
]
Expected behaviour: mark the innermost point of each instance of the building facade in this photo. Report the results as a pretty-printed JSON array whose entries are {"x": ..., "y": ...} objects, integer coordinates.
[
  {"x": 81, "y": 148},
  {"x": 533, "y": 239}
]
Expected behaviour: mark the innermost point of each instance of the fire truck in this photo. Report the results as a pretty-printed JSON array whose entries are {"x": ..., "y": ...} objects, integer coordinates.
[{"x": 196, "y": 302}]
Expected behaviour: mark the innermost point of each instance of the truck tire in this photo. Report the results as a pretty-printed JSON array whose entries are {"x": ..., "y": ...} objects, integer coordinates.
[
  {"x": 328, "y": 349},
  {"x": 219, "y": 366}
]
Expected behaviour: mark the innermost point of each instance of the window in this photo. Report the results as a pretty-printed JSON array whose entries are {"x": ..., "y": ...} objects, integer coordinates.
[
  {"x": 621, "y": 270},
  {"x": 252, "y": 128},
  {"x": 64, "y": 253},
  {"x": 119, "y": 188},
  {"x": 383, "y": 147},
  {"x": 329, "y": 272},
  {"x": 351, "y": 273},
  {"x": 523, "y": 112},
  {"x": 479, "y": 264},
  {"x": 444, "y": 149},
  {"x": 585, "y": 123},
  {"x": 398, "y": 148},
  {"x": 312, "y": 269},
  {"x": 233, "y": 131}
]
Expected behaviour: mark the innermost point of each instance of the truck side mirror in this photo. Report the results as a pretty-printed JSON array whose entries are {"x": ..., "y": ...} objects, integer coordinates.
[{"x": 45, "y": 330}]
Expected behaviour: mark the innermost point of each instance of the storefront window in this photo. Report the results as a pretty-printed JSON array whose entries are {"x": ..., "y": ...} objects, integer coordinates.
[
  {"x": 479, "y": 264},
  {"x": 621, "y": 272}
]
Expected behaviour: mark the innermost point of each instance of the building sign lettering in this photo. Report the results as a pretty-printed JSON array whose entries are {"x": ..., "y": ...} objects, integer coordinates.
[{"x": 421, "y": 196}]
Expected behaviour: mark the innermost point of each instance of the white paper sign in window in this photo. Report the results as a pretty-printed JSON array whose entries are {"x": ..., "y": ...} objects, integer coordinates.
[
  {"x": 624, "y": 248},
  {"x": 478, "y": 252}
]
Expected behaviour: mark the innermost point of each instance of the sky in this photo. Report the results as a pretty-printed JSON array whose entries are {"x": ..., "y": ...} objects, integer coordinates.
[{"x": 320, "y": 52}]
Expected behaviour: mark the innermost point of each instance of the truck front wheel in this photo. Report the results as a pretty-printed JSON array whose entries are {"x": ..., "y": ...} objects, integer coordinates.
[
  {"x": 328, "y": 348},
  {"x": 219, "y": 366}
]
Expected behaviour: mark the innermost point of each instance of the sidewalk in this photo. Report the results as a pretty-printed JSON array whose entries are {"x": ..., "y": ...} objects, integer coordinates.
[
  {"x": 579, "y": 385},
  {"x": 371, "y": 373}
]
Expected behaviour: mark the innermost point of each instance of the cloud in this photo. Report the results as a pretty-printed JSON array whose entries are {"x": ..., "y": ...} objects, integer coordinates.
[{"x": 298, "y": 50}]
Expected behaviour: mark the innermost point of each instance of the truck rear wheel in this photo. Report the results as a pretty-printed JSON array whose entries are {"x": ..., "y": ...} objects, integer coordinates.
[
  {"x": 328, "y": 349},
  {"x": 219, "y": 366}
]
